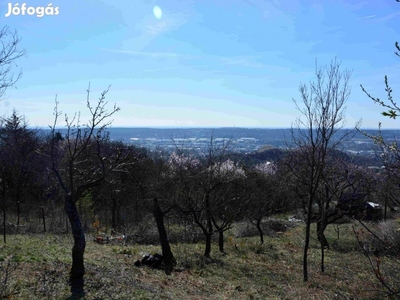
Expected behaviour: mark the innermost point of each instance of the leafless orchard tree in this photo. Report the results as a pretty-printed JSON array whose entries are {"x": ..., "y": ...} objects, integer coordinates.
[
  {"x": 322, "y": 107},
  {"x": 79, "y": 165},
  {"x": 217, "y": 196},
  {"x": 9, "y": 53}
]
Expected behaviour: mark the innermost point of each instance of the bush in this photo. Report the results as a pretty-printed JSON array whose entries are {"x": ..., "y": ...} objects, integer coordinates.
[
  {"x": 381, "y": 245},
  {"x": 387, "y": 239}
]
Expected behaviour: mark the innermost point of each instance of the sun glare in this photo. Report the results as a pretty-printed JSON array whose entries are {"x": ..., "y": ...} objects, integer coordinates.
[{"x": 157, "y": 12}]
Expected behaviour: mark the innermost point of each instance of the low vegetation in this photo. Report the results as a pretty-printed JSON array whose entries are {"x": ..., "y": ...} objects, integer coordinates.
[{"x": 37, "y": 267}]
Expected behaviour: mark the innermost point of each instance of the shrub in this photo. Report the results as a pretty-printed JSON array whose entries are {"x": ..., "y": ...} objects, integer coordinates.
[{"x": 387, "y": 239}]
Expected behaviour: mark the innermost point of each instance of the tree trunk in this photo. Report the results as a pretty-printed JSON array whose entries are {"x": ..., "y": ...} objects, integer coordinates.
[
  {"x": 321, "y": 226},
  {"x": 322, "y": 258},
  {"x": 44, "y": 220},
  {"x": 260, "y": 232},
  {"x": 208, "y": 232},
  {"x": 307, "y": 239},
  {"x": 168, "y": 257},
  {"x": 18, "y": 215},
  {"x": 114, "y": 214},
  {"x": 221, "y": 240},
  {"x": 207, "y": 252},
  {"x": 78, "y": 250}
]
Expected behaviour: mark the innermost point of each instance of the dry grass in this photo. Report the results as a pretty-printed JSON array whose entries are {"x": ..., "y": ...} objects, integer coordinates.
[{"x": 248, "y": 270}]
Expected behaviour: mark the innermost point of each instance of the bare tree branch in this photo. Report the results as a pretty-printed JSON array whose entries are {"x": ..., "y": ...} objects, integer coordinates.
[{"x": 9, "y": 53}]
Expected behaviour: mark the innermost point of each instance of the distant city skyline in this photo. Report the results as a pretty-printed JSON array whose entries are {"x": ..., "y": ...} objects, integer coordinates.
[{"x": 199, "y": 63}]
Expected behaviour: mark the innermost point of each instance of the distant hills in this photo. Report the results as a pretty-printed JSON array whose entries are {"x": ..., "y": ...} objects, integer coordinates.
[
  {"x": 259, "y": 143},
  {"x": 275, "y": 154}
]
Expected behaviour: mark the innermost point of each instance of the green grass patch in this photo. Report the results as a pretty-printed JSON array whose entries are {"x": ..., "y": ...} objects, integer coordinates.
[{"x": 248, "y": 270}]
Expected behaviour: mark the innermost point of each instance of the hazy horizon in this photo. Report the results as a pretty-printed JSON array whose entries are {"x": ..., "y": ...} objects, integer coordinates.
[{"x": 208, "y": 127}]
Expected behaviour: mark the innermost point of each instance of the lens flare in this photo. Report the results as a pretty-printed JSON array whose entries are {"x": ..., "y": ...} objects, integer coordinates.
[{"x": 157, "y": 12}]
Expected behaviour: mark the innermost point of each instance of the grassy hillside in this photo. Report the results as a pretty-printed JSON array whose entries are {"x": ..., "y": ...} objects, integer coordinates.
[{"x": 248, "y": 270}]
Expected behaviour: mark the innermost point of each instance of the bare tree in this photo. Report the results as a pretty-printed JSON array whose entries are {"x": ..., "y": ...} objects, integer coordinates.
[
  {"x": 322, "y": 105},
  {"x": 9, "y": 53},
  {"x": 209, "y": 189},
  {"x": 260, "y": 186},
  {"x": 168, "y": 256},
  {"x": 79, "y": 165},
  {"x": 151, "y": 177},
  {"x": 216, "y": 197}
]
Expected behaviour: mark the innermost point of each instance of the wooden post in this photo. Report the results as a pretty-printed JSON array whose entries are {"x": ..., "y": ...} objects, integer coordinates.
[
  {"x": 44, "y": 219},
  {"x": 66, "y": 223},
  {"x": 18, "y": 213}
]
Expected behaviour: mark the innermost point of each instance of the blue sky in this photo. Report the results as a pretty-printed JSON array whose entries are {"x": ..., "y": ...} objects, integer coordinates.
[{"x": 203, "y": 63}]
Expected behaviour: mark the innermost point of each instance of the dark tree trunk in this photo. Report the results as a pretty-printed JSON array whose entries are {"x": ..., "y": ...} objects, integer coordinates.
[
  {"x": 207, "y": 251},
  {"x": 18, "y": 215},
  {"x": 78, "y": 250},
  {"x": 44, "y": 220},
  {"x": 322, "y": 258},
  {"x": 321, "y": 226},
  {"x": 169, "y": 259},
  {"x": 307, "y": 239},
  {"x": 114, "y": 214},
  {"x": 220, "y": 230},
  {"x": 221, "y": 241},
  {"x": 207, "y": 228},
  {"x": 260, "y": 232},
  {"x": 208, "y": 232}
]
